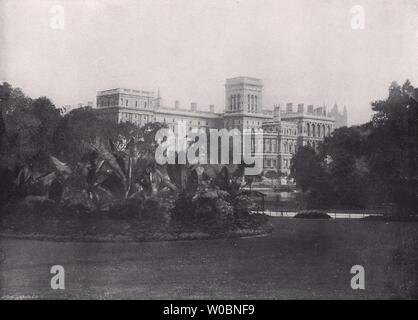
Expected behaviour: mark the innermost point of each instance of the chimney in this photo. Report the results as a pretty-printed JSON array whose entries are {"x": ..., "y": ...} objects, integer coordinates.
[
  {"x": 276, "y": 113},
  {"x": 289, "y": 107},
  {"x": 310, "y": 108},
  {"x": 300, "y": 107},
  {"x": 212, "y": 108},
  {"x": 176, "y": 104},
  {"x": 193, "y": 106}
]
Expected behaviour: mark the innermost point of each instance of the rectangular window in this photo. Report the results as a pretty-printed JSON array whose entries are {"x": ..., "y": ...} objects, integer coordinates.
[{"x": 268, "y": 145}]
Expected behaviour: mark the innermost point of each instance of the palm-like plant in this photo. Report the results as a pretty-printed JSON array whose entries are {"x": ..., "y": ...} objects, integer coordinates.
[{"x": 133, "y": 163}]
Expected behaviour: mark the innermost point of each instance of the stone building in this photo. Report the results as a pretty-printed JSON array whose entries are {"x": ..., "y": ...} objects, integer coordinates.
[
  {"x": 141, "y": 107},
  {"x": 313, "y": 124},
  {"x": 341, "y": 119},
  {"x": 284, "y": 130}
]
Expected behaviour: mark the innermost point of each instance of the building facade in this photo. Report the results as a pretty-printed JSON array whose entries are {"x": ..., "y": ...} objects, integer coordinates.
[
  {"x": 141, "y": 107},
  {"x": 284, "y": 130}
]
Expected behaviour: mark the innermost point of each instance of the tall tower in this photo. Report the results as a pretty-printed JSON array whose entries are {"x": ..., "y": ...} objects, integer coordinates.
[
  {"x": 345, "y": 117},
  {"x": 158, "y": 100},
  {"x": 243, "y": 94},
  {"x": 244, "y": 103}
]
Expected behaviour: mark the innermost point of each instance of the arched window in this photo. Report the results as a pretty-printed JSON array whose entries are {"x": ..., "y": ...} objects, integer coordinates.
[
  {"x": 309, "y": 129},
  {"x": 313, "y": 130}
]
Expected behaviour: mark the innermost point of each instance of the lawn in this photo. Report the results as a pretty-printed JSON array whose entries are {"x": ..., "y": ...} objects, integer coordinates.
[{"x": 299, "y": 259}]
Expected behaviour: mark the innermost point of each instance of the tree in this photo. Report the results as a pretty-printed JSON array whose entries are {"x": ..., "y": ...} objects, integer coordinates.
[
  {"x": 369, "y": 165},
  {"x": 394, "y": 158},
  {"x": 306, "y": 168},
  {"x": 28, "y": 128},
  {"x": 344, "y": 155}
]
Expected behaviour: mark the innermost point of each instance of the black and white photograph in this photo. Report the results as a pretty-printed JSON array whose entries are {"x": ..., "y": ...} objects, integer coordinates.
[{"x": 197, "y": 150}]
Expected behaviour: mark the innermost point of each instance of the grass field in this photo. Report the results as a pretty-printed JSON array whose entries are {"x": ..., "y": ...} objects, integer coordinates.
[{"x": 301, "y": 259}]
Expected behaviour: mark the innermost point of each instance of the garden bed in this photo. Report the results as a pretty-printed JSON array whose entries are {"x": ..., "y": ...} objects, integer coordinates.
[{"x": 106, "y": 227}]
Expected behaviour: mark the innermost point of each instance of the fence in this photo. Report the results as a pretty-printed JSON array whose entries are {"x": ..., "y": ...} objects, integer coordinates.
[{"x": 335, "y": 215}]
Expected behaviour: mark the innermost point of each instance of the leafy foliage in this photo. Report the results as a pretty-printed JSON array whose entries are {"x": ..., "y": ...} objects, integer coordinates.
[{"x": 374, "y": 164}]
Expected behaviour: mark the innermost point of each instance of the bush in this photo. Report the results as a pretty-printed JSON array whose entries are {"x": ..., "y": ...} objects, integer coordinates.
[
  {"x": 149, "y": 209},
  {"x": 243, "y": 204},
  {"x": 312, "y": 214},
  {"x": 184, "y": 209},
  {"x": 206, "y": 208}
]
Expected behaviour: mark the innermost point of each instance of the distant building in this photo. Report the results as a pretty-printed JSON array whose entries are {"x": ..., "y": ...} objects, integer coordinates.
[
  {"x": 300, "y": 127},
  {"x": 340, "y": 118},
  {"x": 284, "y": 130},
  {"x": 140, "y": 107}
]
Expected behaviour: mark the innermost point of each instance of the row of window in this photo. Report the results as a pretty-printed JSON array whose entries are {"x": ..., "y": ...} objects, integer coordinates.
[
  {"x": 270, "y": 145},
  {"x": 289, "y": 131},
  {"x": 231, "y": 122},
  {"x": 135, "y": 118},
  {"x": 108, "y": 102},
  {"x": 289, "y": 147},
  {"x": 190, "y": 121},
  {"x": 270, "y": 163},
  {"x": 141, "y": 104},
  {"x": 237, "y": 103},
  {"x": 317, "y": 130},
  {"x": 284, "y": 130}
]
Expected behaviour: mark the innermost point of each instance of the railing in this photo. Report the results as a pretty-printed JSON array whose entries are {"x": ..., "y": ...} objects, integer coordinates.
[{"x": 335, "y": 215}]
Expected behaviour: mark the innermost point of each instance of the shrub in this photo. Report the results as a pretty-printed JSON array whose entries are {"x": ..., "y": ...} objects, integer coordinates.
[
  {"x": 205, "y": 208},
  {"x": 312, "y": 214},
  {"x": 243, "y": 204},
  {"x": 139, "y": 208}
]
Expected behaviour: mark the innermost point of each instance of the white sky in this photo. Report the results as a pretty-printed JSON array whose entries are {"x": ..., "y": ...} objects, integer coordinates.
[{"x": 304, "y": 50}]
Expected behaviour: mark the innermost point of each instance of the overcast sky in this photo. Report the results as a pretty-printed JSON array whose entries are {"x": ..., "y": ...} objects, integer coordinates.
[{"x": 305, "y": 51}]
